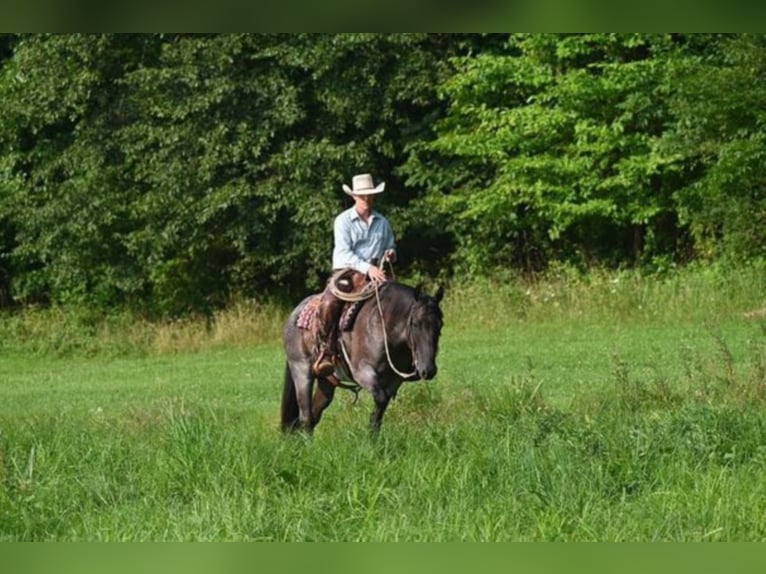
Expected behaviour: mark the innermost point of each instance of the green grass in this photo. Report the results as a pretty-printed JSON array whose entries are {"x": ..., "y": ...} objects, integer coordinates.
[{"x": 591, "y": 420}]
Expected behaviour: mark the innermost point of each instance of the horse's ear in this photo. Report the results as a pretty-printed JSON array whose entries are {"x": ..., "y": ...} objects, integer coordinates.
[{"x": 439, "y": 294}]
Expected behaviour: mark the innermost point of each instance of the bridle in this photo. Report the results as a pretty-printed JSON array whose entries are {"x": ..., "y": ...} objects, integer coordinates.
[
  {"x": 410, "y": 341},
  {"x": 385, "y": 337}
]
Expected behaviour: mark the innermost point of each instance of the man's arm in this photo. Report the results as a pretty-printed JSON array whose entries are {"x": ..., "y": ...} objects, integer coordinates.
[{"x": 390, "y": 252}]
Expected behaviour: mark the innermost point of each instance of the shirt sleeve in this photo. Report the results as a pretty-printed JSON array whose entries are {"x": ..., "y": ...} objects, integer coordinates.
[
  {"x": 343, "y": 254},
  {"x": 389, "y": 241}
]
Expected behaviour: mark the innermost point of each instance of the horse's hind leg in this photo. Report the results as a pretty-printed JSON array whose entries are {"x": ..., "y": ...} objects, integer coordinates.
[
  {"x": 323, "y": 396},
  {"x": 289, "y": 411},
  {"x": 303, "y": 381}
]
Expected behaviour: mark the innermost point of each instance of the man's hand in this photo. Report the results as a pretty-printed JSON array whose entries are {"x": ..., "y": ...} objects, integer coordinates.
[
  {"x": 376, "y": 274},
  {"x": 390, "y": 256}
]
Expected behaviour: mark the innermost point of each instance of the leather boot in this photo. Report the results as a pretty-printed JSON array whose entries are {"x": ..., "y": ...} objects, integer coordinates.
[{"x": 327, "y": 316}]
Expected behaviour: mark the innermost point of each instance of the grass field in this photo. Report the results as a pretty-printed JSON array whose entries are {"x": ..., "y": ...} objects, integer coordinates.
[{"x": 599, "y": 408}]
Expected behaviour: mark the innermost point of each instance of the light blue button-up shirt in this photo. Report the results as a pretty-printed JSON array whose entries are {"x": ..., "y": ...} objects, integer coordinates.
[{"x": 357, "y": 242}]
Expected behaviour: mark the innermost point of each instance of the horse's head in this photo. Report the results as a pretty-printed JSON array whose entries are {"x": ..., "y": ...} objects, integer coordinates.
[{"x": 425, "y": 326}]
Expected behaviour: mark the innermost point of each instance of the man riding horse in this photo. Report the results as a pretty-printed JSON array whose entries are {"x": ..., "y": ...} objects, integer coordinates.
[{"x": 363, "y": 241}]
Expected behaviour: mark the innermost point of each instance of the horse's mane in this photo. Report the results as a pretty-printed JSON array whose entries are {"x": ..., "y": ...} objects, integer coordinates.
[
  {"x": 399, "y": 297},
  {"x": 395, "y": 290}
]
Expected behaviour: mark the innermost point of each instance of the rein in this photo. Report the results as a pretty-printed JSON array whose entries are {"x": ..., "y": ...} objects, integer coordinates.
[{"x": 385, "y": 340}]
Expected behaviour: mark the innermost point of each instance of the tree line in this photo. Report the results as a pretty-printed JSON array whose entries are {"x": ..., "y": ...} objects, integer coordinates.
[{"x": 169, "y": 172}]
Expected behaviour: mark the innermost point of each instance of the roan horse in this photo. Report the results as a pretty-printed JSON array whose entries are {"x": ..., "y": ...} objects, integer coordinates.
[{"x": 394, "y": 338}]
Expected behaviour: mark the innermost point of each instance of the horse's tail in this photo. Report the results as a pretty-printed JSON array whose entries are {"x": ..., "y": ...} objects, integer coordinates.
[{"x": 290, "y": 413}]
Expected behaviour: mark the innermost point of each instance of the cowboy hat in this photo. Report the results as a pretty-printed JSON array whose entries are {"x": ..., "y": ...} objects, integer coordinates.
[{"x": 362, "y": 185}]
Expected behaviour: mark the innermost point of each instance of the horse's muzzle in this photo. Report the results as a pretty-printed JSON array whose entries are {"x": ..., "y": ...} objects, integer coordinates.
[{"x": 427, "y": 373}]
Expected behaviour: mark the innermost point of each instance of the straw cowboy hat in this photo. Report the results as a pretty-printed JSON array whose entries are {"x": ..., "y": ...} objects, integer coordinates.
[{"x": 362, "y": 185}]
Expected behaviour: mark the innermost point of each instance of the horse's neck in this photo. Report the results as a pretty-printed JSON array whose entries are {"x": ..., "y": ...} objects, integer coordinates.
[{"x": 395, "y": 302}]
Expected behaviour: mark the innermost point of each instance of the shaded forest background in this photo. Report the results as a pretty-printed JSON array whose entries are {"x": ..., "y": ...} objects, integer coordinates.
[{"x": 169, "y": 173}]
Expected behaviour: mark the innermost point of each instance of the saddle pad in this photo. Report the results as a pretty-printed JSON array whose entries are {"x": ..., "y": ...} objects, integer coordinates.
[{"x": 308, "y": 314}]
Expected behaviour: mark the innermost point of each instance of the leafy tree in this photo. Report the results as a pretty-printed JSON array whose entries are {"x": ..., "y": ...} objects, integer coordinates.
[
  {"x": 58, "y": 167},
  {"x": 172, "y": 170},
  {"x": 548, "y": 151},
  {"x": 718, "y": 138},
  {"x": 7, "y": 230}
]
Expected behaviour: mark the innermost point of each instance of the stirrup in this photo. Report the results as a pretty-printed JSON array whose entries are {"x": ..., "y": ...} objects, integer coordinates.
[{"x": 323, "y": 367}]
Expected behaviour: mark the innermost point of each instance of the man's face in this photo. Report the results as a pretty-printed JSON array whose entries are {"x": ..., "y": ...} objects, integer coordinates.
[{"x": 365, "y": 200}]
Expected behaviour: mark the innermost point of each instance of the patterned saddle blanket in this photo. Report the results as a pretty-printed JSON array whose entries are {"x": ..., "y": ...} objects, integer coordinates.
[
  {"x": 307, "y": 316},
  {"x": 347, "y": 285}
]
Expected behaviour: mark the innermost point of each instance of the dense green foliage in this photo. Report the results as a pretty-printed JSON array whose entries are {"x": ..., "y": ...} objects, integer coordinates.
[
  {"x": 602, "y": 148},
  {"x": 169, "y": 172}
]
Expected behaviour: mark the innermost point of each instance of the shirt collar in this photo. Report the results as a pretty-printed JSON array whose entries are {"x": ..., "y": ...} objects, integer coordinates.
[{"x": 355, "y": 214}]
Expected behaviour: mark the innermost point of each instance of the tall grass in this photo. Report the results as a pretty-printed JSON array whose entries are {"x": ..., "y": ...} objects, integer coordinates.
[
  {"x": 562, "y": 294},
  {"x": 75, "y": 331},
  {"x": 607, "y": 407},
  {"x": 487, "y": 463}
]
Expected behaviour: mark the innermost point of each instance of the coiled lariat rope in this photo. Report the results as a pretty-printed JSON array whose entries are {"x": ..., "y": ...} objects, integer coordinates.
[{"x": 365, "y": 293}]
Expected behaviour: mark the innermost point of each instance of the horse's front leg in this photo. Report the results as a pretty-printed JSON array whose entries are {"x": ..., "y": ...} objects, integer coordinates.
[
  {"x": 382, "y": 392},
  {"x": 381, "y": 399}
]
